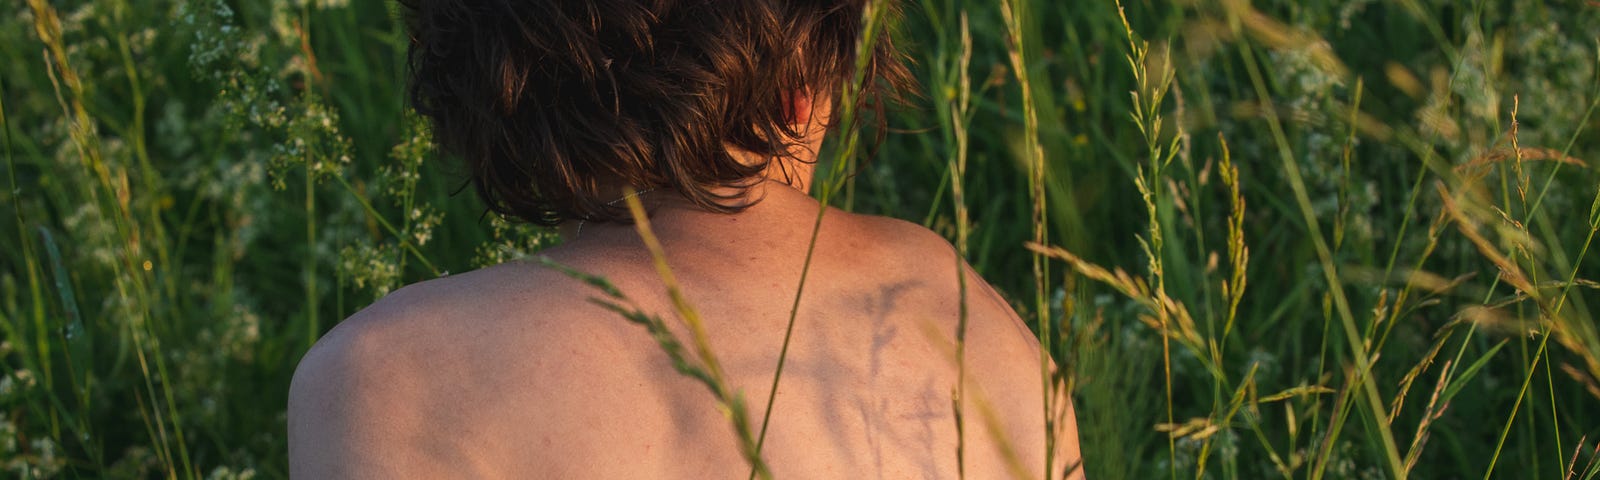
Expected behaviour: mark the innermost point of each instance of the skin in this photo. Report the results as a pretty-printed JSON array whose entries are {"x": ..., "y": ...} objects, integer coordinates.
[{"x": 510, "y": 372}]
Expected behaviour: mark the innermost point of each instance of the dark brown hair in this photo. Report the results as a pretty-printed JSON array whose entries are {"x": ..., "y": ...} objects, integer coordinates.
[{"x": 549, "y": 101}]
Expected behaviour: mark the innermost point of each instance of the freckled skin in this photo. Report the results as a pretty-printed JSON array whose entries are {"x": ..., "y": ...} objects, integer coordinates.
[
  {"x": 508, "y": 372},
  {"x": 511, "y": 372}
]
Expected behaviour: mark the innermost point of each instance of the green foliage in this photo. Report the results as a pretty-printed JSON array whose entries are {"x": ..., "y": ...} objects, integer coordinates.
[{"x": 1345, "y": 239}]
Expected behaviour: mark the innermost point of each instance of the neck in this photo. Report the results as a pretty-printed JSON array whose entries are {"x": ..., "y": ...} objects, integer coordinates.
[
  {"x": 774, "y": 194},
  {"x": 785, "y": 174},
  {"x": 792, "y": 172}
]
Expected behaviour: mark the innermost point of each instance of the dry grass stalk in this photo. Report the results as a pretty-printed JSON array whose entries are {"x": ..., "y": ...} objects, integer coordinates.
[
  {"x": 1430, "y": 413},
  {"x": 1238, "y": 253},
  {"x": 1569, "y": 333},
  {"x": 1526, "y": 154},
  {"x": 1588, "y": 468},
  {"x": 1510, "y": 272},
  {"x": 1411, "y": 376}
]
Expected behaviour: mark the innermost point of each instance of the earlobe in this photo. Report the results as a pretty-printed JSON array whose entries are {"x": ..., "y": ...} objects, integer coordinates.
[{"x": 797, "y": 107}]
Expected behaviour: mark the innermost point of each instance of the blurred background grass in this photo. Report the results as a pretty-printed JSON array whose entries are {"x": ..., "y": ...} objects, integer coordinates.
[{"x": 1393, "y": 283}]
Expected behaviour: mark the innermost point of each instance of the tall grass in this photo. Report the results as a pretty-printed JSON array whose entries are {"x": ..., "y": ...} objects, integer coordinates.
[{"x": 1318, "y": 240}]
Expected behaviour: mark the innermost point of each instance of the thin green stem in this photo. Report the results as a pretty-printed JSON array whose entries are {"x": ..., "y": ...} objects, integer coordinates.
[
  {"x": 1374, "y": 403},
  {"x": 384, "y": 222},
  {"x": 873, "y": 16}
]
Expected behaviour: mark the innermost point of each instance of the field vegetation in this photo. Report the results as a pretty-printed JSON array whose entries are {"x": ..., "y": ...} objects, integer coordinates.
[{"x": 1270, "y": 238}]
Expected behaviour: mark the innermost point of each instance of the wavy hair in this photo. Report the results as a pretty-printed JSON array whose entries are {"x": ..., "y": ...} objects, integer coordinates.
[{"x": 550, "y": 102}]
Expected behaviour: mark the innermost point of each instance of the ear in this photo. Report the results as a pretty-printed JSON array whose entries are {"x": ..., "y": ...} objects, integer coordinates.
[{"x": 797, "y": 107}]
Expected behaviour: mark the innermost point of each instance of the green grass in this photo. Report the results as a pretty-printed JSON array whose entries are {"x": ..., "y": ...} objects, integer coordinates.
[{"x": 1318, "y": 239}]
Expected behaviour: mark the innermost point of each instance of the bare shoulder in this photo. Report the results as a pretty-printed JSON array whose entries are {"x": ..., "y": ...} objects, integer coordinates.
[
  {"x": 339, "y": 385},
  {"x": 892, "y": 247},
  {"x": 1002, "y": 354},
  {"x": 433, "y": 316},
  {"x": 373, "y": 397},
  {"x": 900, "y": 235},
  {"x": 933, "y": 256},
  {"x": 999, "y": 341}
]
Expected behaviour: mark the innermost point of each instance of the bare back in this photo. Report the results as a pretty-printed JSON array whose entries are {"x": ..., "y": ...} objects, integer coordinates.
[{"x": 512, "y": 372}]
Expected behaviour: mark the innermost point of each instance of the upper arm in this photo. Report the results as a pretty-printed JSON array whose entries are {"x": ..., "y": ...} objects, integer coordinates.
[
  {"x": 314, "y": 399},
  {"x": 325, "y": 427},
  {"x": 1068, "y": 457},
  {"x": 379, "y": 395},
  {"x": 347, "y": 405},
  {"x": 985, "y": 302}
]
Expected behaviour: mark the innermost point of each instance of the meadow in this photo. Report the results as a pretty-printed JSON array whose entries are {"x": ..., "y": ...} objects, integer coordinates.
[{"x": 1264, "y": 239}]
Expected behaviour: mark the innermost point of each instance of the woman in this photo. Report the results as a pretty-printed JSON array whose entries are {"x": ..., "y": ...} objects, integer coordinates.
[{"x": 711, "y": 112}]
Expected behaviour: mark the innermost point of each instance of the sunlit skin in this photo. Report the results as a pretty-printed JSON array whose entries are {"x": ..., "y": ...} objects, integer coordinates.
[{"x": 510, "y": 372}]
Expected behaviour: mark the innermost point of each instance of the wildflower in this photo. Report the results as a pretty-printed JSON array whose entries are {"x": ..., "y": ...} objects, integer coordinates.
[
  {"x": 228, "y": 473},
  {"x": 8, "y": 435},
  {"x": 511, "y": 241},
  {"x": 370, "y": 266}
]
